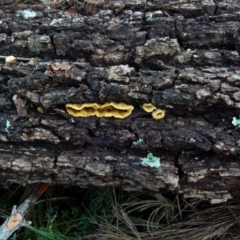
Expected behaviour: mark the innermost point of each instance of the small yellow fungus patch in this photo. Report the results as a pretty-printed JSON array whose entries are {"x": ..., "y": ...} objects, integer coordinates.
[
  {"x": 148, "y": 107},
  {"x": 40, "y": 109},
  {"x": 15, "y": 97},
  {"x": 10, "y": 59},
  {"x": 158, "y": 114},
  {"x": 117, "y": 110}
]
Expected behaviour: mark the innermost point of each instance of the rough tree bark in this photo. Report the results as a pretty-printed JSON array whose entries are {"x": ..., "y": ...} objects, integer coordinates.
[{"x": 181, "y": 56}]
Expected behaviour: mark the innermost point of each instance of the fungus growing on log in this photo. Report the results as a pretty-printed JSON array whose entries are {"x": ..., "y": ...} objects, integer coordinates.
[
  {"x": 148, "y": 107},
  {"x": 116, "y": 110},
  {"x": 158, "y": 114},
  {"x": 10, "y": 59},
  {"x": 40, "y": 109}
]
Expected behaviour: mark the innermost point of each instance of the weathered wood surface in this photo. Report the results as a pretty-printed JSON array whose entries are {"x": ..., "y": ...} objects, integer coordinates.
[{"x": 181, "y": 56}]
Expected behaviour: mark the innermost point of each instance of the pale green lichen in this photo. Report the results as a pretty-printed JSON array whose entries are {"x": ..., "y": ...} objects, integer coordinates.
[
  {"x": 28, "y": 14},
  {"x": 151, "y": 161},
  {"x": 123, "y": 151},
  {"x": 236, "y": 122},
  {"x": 7, "y": 126},
  {"x": 138, "y": 141}
]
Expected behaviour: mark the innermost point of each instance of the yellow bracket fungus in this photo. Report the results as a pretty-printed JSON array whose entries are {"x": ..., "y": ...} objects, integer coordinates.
[
  {"x": 117, "y": 110},
  {"x": 158, "y": 114},
  {"x": 40, "y": 109},
  {"x": 10, "y": 59},
  {"x": 148, "y": 107}
]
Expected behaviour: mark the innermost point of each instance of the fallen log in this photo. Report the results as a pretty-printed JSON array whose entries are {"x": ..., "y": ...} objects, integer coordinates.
[{"x": 182, "y": 58}]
